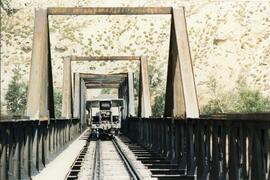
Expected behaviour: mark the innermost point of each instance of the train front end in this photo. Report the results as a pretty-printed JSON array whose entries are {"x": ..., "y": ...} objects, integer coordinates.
[{"x": 106, "y": 117}]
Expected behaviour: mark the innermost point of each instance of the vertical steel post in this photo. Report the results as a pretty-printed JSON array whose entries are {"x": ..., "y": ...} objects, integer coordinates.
[
  {"x": 37, "y": 100},
  {"x": 67, "y": 90},
  {"x": 144, "y": 94},
  {"x": 181, "y": 95},
  {"x": 83, "y": 101},
  {"x": 3, "y": 155},
  {"x": 26, "y": 153},
  {"x": 77, "y": 86},
  {"x": 46, "y": 139},
  {"x": 16, "y": 157},
  {"x": 131, "y": 107},
  {"x": 34, "y": 149}
]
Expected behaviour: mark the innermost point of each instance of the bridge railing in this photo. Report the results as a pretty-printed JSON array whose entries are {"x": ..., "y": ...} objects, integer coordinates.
[
  {"x": 27, "y": 146},
  {"x": 221, "y": 147}
]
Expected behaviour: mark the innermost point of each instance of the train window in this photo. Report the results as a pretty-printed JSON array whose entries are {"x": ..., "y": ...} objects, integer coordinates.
[
  {"x": 105, "y": 105},
  {"x": 117, "y": 103},
  {"x": 94, "y": 104}
]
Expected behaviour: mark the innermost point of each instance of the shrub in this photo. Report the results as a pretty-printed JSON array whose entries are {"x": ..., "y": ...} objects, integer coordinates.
[
  {"x": 16, "y": 96},
  {"x": 219, "y": 99},
  {"x": 57, "y": 95},
  {"x": 250, "y": 100},
  {"x": 241, "y": 99},
  {"x": 5, "y": 5}
]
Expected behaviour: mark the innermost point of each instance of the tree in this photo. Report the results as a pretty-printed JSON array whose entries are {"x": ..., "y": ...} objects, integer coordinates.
[
  {"x": 156, "y": 88},
  {"x": 158, "y": 107},
  {"x": 16, "y": 96}
]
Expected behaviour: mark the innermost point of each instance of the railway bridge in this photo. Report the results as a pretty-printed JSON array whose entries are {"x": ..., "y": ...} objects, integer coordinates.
[{"x": 181, "y": 145}]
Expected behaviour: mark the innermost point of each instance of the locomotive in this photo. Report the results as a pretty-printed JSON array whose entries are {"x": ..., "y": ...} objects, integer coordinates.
[{"x": 105, "y": 116}]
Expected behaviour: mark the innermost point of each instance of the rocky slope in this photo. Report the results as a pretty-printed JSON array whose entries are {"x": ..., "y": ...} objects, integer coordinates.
[{"x": 228, "y": 40}]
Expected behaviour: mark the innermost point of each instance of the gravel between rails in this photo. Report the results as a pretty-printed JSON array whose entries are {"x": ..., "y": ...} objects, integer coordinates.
[{"x": 111, "y": 165}]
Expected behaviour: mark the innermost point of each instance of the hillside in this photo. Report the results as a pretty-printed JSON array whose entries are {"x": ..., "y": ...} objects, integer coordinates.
[{"x": 228, "y": 40}]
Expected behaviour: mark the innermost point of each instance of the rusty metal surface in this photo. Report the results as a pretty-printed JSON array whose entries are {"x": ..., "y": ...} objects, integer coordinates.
[{"x": 108, "y": 10}]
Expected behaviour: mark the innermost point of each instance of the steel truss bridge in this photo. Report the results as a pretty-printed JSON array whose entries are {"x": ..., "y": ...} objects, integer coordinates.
[{"x": 224, "y": 146}]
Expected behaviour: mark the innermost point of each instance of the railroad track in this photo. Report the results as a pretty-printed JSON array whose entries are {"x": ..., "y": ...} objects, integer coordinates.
[
  {"x": 97, "y": 170},
  {"x": 134, "y": 174},
  {"x": 103, "y": 160},
  {"x": 122, "y": 159}
]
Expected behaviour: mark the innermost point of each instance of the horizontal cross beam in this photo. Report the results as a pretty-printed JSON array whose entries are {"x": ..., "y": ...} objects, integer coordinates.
[
  {"x": 94, "y": 86},
  {"x": 102, "y": 76},
  {"x": 105, "y": 58},
  {"x": 104, "y": 81},
  {"x": 109, "y": 10}
]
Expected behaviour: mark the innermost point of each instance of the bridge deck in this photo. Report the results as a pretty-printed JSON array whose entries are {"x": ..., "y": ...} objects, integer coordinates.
[{"x": 60, "y": 166}]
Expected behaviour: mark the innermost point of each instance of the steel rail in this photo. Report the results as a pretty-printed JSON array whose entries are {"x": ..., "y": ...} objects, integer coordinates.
[
  {"x": 131, "y": 169},
  {"x": 97, "y": 162}
]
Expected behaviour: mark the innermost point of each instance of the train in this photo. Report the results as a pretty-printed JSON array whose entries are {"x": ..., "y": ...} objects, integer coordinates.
[{"x": 105, "y": 116}]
